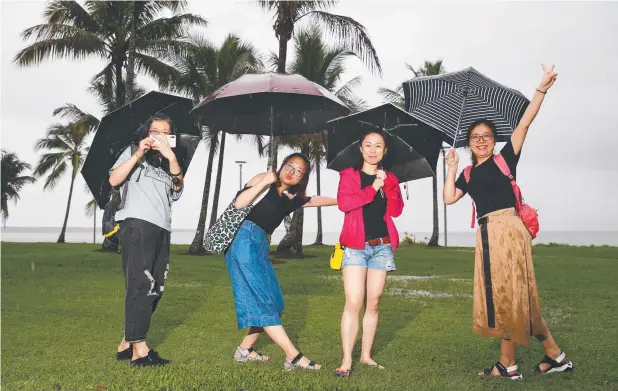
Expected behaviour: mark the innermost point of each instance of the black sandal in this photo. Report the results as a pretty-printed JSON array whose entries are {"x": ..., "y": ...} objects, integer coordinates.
[
  {"x": 295, "y": 363},
  {"x": 509, "y": 373},
  {"x": 126, "y": 354},
  {"x": 560, "y": 364}
]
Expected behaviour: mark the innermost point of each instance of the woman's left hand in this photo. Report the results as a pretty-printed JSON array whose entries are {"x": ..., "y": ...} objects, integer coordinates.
[
  {"x": 549, "y": 78},
  {"x": 163, "y": 146},
  {"x": 381, "y": 174}
]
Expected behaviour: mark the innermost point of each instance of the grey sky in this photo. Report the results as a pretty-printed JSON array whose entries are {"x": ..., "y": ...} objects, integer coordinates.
[{"x": 568, "y": 169}]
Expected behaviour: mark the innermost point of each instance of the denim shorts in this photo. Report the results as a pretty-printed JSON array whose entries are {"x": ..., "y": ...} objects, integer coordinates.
[{"x": 379, "y": 257}]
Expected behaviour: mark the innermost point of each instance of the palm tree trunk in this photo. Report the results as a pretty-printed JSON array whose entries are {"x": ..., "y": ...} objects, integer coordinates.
[
  {"x": 292, "y": 242},
  {"x": 130, "y": 87},
  {"x": 66, "y": 215},
  {"x": 215, "y": 201},
  {"x": 283, "y": 52},
  {"x": 197, "y": 246},
  {"x": 119, "y": 84},
  {"x": 94, "y": 225},
  {"x": 435, "y": 235},
  {"x": 318, "y": 238}
]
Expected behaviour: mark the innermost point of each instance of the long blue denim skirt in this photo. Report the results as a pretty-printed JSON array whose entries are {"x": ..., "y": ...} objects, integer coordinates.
[{"x": 257, "y": 294}]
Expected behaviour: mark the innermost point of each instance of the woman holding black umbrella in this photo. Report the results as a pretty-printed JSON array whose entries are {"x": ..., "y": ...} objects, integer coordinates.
[
  {"x": 369, "y": 197},
  {"x": 257, "y": 294},
  {"x": 506, "y": 302}
]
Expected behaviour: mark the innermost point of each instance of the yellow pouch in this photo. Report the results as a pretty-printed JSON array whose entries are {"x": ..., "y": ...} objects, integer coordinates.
[{"x": 337, "y": 257}]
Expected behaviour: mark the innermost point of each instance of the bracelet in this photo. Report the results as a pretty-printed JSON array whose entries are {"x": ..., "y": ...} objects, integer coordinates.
[
  {"x": 542, "y": 92},
  {"x": 176, "y": 175}
]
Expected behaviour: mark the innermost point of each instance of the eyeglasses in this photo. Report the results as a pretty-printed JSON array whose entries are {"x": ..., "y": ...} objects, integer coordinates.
[
  {"x": 485, "y": 137},
  {"x": 156, "y": 132},
  {"x": 297, "y": 171}
]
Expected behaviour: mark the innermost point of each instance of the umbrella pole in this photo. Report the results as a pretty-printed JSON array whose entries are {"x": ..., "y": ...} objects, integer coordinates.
[
  {"x": 272, "y": 139},
  {"x": 465, "y": 94}
]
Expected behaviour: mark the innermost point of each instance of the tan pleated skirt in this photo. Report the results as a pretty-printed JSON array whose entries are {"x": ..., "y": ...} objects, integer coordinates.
[{"x": 506, "y": 301}]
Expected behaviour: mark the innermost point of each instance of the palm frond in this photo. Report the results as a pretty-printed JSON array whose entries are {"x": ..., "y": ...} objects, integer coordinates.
[
  {"x": 351, "y": 34},
  {"x": 155, "y": 68},
  {"x": 54, "y": 176},
  {"x": 394, "y": 97},
  {"x": 70, "y": 12},
  {"x": 77, "y": 47},
  {"x": 90, "y": 207},
  {"x": 75, "y": 114}
]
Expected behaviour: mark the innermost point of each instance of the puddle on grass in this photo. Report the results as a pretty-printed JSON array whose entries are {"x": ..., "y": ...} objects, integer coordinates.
[
  {"x": 421, "y": 293},
  {"x": 410, "y": 278}
]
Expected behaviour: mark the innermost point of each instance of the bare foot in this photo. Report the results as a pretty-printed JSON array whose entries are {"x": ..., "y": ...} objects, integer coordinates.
[
  {"x": 304, "y": 361},
  {"x": 371, "y": 362}
]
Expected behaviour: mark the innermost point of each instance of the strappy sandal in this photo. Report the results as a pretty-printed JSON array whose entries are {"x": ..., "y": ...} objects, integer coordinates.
[
  {"x": 343, "y": 372},
  {"x": 376, "y": 365},
  {"x": 292, "y": 363},
  {"x": 509, "y": 373},
  {"x": 560, "y": 364},
  {"x": 243, "y": 355}
]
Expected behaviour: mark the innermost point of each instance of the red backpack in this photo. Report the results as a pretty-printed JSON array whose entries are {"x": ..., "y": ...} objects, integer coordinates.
[{"x": 527, "y": 214}]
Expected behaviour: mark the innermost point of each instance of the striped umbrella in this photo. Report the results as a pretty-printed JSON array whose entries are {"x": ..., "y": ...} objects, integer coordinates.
[{"x": 451, "y": 102}]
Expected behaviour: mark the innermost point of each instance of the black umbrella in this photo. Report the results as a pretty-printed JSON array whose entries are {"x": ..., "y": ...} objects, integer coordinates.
[
  {"x": 451, "y": 102},
  {"x": 344, "y": 150},
  {"x": 120, "y": 128},
  {"x": 270, "y": 104}
]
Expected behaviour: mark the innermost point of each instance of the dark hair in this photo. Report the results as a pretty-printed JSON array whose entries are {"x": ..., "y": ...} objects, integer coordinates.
[
  {"x": 154, "y": 158},
  {"x": 359, "y": 165},
  {"x": 474, "y": 124},
  {"x": 301, "y": 188}
]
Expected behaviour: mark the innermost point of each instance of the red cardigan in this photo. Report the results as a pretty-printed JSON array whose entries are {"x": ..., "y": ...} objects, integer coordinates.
[{"x": 351, "y": 200}]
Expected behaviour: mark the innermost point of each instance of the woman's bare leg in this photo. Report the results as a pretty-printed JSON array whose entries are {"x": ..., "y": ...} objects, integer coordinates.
[{"x": 354, "y": 278}]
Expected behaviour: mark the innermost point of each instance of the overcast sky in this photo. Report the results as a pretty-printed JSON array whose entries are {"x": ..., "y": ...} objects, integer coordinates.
[{"x": 568, "y": 170}]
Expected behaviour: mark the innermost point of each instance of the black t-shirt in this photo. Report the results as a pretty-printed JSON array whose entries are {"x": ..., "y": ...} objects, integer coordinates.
[
  {"x": 272, "y": 208},
  {"x": 489, "y": 188},
  {"x": 374, "y": 212}
]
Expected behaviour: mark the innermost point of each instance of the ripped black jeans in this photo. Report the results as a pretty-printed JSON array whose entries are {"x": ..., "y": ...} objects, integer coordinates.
[{"x": 145, "y": 262}]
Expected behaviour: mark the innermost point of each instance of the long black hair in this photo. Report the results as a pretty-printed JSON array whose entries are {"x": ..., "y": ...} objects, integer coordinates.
[
  {"x": 474, "y": 124},
  {"x": 359, "y": 165},
  {"x": 153, "y": 157},
  {"x": 301, "y": 188}
]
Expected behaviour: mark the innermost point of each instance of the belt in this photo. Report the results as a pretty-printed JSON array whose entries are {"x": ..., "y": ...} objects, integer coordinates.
[
  {"x": 483, "y": 220},
  {"x": 379, "y": 241}
]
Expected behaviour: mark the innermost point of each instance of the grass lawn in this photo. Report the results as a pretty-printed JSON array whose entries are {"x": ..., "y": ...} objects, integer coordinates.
[{"x": 63, "y": 306}]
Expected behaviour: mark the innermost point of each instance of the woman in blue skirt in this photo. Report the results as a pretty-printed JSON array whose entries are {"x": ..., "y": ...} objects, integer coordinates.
[{"x": 257, "y": 295}]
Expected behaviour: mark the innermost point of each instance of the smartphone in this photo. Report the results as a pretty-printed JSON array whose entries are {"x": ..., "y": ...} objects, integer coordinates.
[{"x": 171, "y": 140}]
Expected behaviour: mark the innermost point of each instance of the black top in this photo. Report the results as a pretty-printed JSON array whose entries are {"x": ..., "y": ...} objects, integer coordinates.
[
  {"x": 374, "y": 212},
  {"x": 489, "y": 188},
  {"x": 272, "y": 209}
]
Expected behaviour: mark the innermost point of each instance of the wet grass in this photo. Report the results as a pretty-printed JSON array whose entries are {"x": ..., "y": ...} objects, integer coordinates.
[{"x": 62, "y": 316}]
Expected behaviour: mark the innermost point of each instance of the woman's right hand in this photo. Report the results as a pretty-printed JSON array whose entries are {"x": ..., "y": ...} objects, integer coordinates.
[
  {"x": 143, "y": 147},
  {"x": 452, "y": 158},
  {"x": 378, "y": 184}
]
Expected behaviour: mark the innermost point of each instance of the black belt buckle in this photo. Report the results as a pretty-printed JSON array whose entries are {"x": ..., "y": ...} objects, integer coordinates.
[{"x": 483, "y": 220}]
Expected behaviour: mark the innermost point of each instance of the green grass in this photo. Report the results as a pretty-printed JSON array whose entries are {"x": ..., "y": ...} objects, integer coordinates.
[{"x": 63, "y": 305}]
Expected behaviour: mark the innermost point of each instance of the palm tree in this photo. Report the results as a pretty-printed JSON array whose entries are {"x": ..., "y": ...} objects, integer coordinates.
[
  {"x": 325, "y": 66},
  {"x": 203, "y": 68},
  {"x": 12, "y": 180},
  {"x": 110, "y": 30},
  {"x": 396, "y": 97},
  {"x": 347, "y": 30},
  {"x": 90, "y": 209},
  {"x": 66, "y": 146}
]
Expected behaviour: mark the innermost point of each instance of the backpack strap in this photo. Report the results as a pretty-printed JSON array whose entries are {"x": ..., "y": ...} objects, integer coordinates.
[
  {"x": 504, "y": 168},
  {"x": 466, "y": 173}
]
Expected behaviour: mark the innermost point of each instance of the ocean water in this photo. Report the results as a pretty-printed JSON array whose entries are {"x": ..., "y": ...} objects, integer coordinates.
[{"x": 185, "y": 236}]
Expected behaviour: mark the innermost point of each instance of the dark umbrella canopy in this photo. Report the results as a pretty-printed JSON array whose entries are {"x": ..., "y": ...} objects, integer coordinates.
[
  {"x": 344, "y": 150},
  {"x": 451, "y": 102},
  {"x": 270, "y": 104},
  {"x": 120, "y": 128}
]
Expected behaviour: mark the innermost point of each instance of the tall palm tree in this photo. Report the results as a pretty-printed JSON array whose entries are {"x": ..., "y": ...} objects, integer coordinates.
[
  {"x": 203, "y": 68},
  {"x": 347, "y": 30},
  {"x": 66, "y": 149},
  {"x": 12, "y": 180},
  {"x": 396, "y": 97},
  {"x": 324, "y": 65},
  {"x": 104, "y": 30},
  {"x": 90, "y": 209}
]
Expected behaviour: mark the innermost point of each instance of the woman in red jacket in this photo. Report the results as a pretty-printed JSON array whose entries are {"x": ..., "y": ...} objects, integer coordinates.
[{"x": 369, "y": 197}]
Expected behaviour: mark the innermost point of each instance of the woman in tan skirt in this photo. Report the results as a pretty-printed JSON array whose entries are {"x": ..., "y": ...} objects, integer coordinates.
[{"x": 506, "y": 302}]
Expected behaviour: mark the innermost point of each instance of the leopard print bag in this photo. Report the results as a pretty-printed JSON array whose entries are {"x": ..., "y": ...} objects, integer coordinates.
[{"x": 220, "y": 235}]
